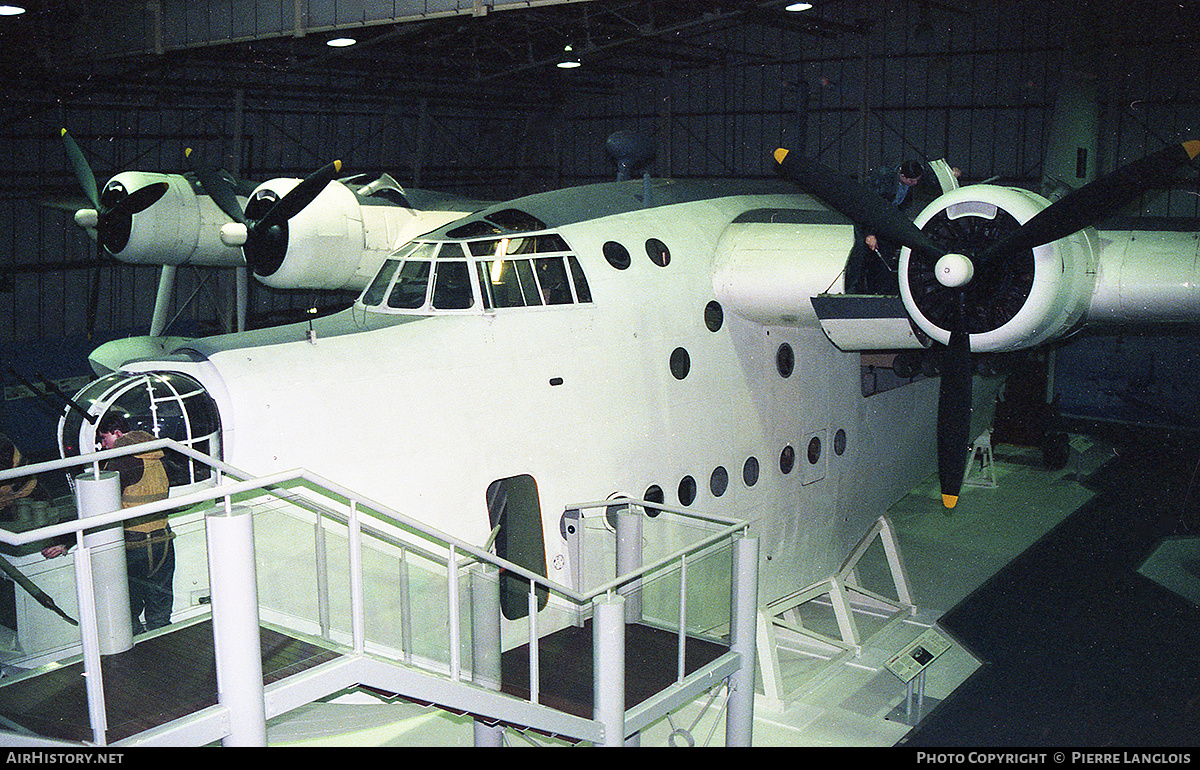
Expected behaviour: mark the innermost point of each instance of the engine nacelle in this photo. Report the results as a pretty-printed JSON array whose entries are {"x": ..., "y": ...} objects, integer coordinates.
[
  {"x": 338, "y": 241},
  {"x": 179, "y": 228},
  {"x": 1012, "y": 303}
]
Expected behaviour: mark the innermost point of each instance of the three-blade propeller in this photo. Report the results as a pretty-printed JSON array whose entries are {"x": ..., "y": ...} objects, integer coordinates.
[
  {"x": 1072, "y": 213},
  {"x": 110, "y": 219},
  {"x": 263, "y": 238}
]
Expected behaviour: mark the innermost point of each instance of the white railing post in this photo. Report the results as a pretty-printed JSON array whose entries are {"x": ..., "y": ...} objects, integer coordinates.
[
  {"x": 357, "y": 612},
  {"x": 97, "y": 493},
  {"x": 535, "y": 660},
  {"x": 233, "y": 579},
  {"x": 452, "y": 600}
]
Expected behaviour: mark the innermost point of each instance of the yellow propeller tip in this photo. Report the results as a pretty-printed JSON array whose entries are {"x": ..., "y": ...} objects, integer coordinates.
[
  {"x": 780, "y": 154},
  {"x": 187, "y": 153},
  {"x": 1192, "y": 147},
  {"x": 62, "y": 132},
  {"x": 949, "y": 500},
  {"x": 337, "y": 165}
]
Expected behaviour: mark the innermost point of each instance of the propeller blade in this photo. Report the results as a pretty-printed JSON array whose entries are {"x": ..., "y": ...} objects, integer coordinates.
[
  {"x": 83, "y": 172},
  {"x": 866, "y": 209},
  {"x": 300, "y": 196},
  {"x": 859, "y": 204},
  {"x": 954, "y": 409},
  {"x": 218, "y": 188},
  {"x": 1095, "y": 200},
  {"x": 139, "y": 200}
]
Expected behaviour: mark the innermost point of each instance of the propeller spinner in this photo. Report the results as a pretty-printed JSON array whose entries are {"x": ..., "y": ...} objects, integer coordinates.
[{"x": 997, "y": 260}]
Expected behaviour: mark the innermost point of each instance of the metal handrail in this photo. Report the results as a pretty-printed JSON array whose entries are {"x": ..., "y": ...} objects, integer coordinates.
[
  {"x": 459, "y": 554},
  {"x": 251, "y": 483}
]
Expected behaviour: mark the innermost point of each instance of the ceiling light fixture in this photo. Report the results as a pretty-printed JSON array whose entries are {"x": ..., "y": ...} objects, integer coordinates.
[
  {"x": 798, "y": 7},
  {"x": 340, "y": 42},
  {"x": 11, "y": 10},
  {"x": 570, "y": 60}
]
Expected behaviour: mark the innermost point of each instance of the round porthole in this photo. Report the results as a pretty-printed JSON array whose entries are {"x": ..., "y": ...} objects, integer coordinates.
[
  {"x": 617, "y": 255},
  {"x": 719, "y": 481},
  {"x": 787, "y": 459},
  {"x": 681, "y": 363},
  {"x": 658, "y": 252},
  {"x": 687, "y": 490},
  {"x": 839, "y": 442},
  {"x": 785, "y": 360},
  {"x": 750, "y": 471},
  {"x": 714, "y": 316},
  {"x": 653, "y": 495},
  {"x": 814, "y": 450}
]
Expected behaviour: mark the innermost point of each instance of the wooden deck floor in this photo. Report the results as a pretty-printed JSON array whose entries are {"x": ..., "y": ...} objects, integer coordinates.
[
  {"x": 160, "y": 679},
  {"x": 565, "y": 666}
]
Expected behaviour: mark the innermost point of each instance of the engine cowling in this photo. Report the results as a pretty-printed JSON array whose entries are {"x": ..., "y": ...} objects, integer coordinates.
[
  {"x": 338, "y": 241},
  {"x": 318, "y": 248},
  {"x": 180, "y": 228},
  {"x": 1014, "y": 302}
]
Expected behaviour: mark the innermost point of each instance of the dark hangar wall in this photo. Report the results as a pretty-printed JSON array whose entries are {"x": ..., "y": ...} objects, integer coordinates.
[{"x": 859, "y": 83}]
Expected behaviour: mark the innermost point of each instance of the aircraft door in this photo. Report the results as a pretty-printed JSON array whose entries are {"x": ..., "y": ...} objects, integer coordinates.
[{"x": 513, "y": 506}]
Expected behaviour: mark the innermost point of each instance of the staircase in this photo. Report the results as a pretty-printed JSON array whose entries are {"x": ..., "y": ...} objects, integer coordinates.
[{"x": 315, "y": 590}]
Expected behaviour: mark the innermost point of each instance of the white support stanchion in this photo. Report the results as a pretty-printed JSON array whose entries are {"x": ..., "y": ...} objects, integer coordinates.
[
  {"x": 743, "y": 606},
  {"x": 92, "y": 669},
  {"x": 233, "y": 580},
  {"x": 485, "y": 644},
  {"x": 97, "y": 494},
  {"x": 629, "y": 559},
  {"x": 608, "y": 666}
]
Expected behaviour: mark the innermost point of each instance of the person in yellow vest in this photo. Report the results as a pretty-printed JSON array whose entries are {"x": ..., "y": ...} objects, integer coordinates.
[
  {"x": 149, "y": 552},
  {"x": 13, "y": 489}
]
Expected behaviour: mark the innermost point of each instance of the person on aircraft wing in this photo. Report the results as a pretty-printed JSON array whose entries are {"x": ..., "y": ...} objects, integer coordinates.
[
  {"x": 871, "y": 268},
  {"x": 149, "y": 552}
]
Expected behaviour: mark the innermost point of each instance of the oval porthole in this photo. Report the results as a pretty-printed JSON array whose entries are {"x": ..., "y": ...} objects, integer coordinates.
[
  {"x": 617, "y": 255},
  {"x": 839, "y": 442},
  {"x": 750, "y": 471},
  {"x": 787, "y": 459},
  {"x": 658, "y": 252},
  {"x": 719, "y": 481},
  {"x": 653, "y": 495},
  {"x": 714, "y": 316},
  {"x": 814, "y": 450},
  {"x": 681, "y": 363},
  {"x": 687, "y": 490},
  {"x": 785, "y": 360}
]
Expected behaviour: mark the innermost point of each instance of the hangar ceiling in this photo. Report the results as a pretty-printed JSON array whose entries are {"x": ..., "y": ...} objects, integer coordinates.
[{"x": 498, "y": 51}]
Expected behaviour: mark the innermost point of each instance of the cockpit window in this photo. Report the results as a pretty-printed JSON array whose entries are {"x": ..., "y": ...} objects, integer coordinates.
[
  {"x": 374, "y": 293},
  {"x": 452, "y": 286},
  {"x": 408, "y": 292},
  {"x": 519, "y": 271},
  {"x": 552, "y": 277},
  {"x": 505, "y": 220},
  {"x": 582, "y": 292},
  {"x": 516, "y": 220}
]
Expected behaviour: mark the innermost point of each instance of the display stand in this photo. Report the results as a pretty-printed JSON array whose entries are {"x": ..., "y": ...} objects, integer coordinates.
[{"x": 909, "y": 666}]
